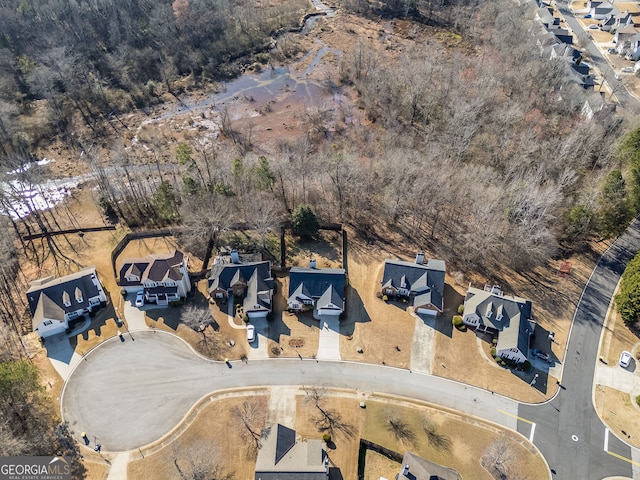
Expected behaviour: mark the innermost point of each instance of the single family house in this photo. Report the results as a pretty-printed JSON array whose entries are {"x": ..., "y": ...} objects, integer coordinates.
[
  {"x": 250, "y": 283},
  {"x": 319, "y": 288},
  {"x": 621, "y": 37},
  {"x": 422, "y": 284},
  {"x": 281, "y": 457},
  {"x": 545, "y": 16},
  {"x": 162, "y": 277},
  {"x": 600, "y": 10},
  {"x": 54, "y": 302},
  {"x": 419, "y": 468},
  {"x": 491, "y": 311}
]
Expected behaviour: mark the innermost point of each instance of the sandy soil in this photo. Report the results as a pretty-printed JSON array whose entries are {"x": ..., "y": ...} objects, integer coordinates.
[{"x": 207, "y": 435}]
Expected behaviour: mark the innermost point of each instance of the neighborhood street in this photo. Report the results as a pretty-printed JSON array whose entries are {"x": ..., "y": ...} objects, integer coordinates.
[{"x": 571, "y": 414}]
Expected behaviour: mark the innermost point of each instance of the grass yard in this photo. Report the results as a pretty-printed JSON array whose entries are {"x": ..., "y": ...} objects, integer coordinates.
[
  {"x": 212, "y": 438},
  {"x": 377, "y": 465},
  {"x": 619, "y": 412}
]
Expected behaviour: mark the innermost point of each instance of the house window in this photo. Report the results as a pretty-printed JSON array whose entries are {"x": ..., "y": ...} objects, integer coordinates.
[
  {"x": 46, "y": 323},
  {"x": 489, "y": 313},
  {"x": 498, "y": 317},
  {"x": 307, "y": 302}
]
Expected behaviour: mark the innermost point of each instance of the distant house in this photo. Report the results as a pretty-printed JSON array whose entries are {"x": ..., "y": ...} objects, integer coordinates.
[
  {"x": 631, "y": 48},
  {"x": 608, "y": 23},
  {"x": 53, "y": 302},
  {"x": 596, "y": 106},
  {"x": 418, "y": 468},
  {"x": 319, "y": 288},
  {"x": 251, "y": 283},
  {"x": 601, "y": 10},
  {"x": 509, "y": 317},
  {"x": 545, "y": 16},
  {"x": 565, "y": 52},
  {"x": 421, "y": 283},
  {"x": 162, "y": 277},
  {"x": 621, "y": 37},
  {"x": 282, "y": 458}
]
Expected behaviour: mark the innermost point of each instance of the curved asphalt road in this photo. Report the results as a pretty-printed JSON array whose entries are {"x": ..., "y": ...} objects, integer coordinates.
[
  {"x": 571, "y": 414},
  {"x": 129, "y": 394}
]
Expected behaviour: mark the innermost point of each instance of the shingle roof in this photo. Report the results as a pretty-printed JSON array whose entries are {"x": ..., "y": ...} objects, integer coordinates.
[
  {"x": 157, "y": 268},
  {"x": 256, "y": 276},
  {"x": 330, "y": 297},
  {"x": 46, "y": 309},
  {"x": 59, "y": 290},
  {"x": 514, "y": 325},
  {"x": 314, "y": 282},
  {"x": 421, "y": 279},
  {"x": 423, "y": 469},
  {"x": 281, "y": 458}
]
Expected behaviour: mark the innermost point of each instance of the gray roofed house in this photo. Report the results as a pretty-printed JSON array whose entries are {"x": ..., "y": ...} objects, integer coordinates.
[
  {"x": 251, "y": 282},
  {"x": 53, "y": 302},
  {"x": 510, "y": 317},
  {"x": 419, "y": 468},
  {"x": 320, "y": 288},
  {"x": 545, "y": 16},
  {"x": 282, "y": 458},
  {"x": 162, "y": 277},
  {"x": 421, "y": 283}
]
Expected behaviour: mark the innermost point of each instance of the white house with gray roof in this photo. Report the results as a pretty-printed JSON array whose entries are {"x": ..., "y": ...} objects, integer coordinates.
[
  {"x": 422, "y": 284},
  {"x": 162, "y": 277},
  {"x": 282, "y": 457},
  {"x": 319, "y": 288},
  {"x": 54, "y": 302},
  {"x": 491, "y": 311}
]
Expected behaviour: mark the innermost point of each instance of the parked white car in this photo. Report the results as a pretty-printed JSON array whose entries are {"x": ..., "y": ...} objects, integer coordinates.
[
  {"x": 139, "y": 299},
  {"x": 625, "y": 359},
  {"x": 251, "y": 333},
  {"x": 626, "y": 69}
]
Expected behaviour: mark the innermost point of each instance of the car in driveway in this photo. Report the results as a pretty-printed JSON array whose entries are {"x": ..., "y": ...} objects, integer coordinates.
[
  {"x": 251, "y": 333},
  {"x": 588, "y": 15},
  {"x": 139, "y": 299},
  {"x": 540, "y": 354},
  {"x": 593, "y": 26},
  {"x": 625, "y": 359}
]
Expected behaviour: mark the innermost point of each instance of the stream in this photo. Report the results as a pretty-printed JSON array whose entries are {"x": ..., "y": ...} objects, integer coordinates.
[{"x": 256, "y": 88}]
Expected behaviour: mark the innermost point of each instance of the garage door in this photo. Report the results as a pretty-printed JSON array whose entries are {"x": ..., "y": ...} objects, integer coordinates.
[
  {"x": 426, "y": 311},
  {"x": 327, "y": 311}
]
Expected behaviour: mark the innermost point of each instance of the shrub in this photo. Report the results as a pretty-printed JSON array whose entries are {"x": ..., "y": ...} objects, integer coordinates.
[
  {"x": 638, "y": 400},
  {"x": 461, "y": 309},
  {"x": 385, "y": 298},
  {"x": 458, "y": 323},
  {"x": 526, "y": 366},
  {"x": 245, "y": 318},
  {"x": 326, "y": 438},
  {"x": 493, "y": 352},
  {"x": 123, "y": 292}
]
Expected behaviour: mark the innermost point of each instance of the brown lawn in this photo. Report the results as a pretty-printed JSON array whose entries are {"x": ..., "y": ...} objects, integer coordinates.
[
  {"x": 619, "y": 412},
  {"x": 291, "y": 334},
  {"x": 377, "y": 465},
  {"x": 445, "y": 437},
  {"x": 212, "y": 434}
]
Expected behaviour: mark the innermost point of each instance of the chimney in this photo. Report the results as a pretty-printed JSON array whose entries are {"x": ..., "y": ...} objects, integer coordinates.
[
  {"x": 405, "y": 471},
  {"x": 420, "y": 258},
  {"x": 312, "y": 263},
  {"x": 234, "y": 256}
]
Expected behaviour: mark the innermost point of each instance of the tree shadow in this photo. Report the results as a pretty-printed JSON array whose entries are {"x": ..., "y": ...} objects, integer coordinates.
[{"x": 355, "y": 312}]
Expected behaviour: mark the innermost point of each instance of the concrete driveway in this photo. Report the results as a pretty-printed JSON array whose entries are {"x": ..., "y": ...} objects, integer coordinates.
[
  {"x": 62, "y": 356},
  {"x": 423, "y": 339},
  {"x": 329, "y": 338},
  {"x": 258, "y": 348},
  {"x": 130, "y": 393}
]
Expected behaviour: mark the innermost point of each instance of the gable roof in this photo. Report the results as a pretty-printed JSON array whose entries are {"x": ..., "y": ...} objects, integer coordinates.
[
  {"x": 423, "y": 469},
  {"x": 514, "y": 325},
  {"x": 255, "y": 275},
  {"x": 423, "y": 280},
  {"x": 316, "y": 283},
  {"x": 281, "y": 458},
  {"x": 156, "y": 267},
  {"x": 47, "y": 296}
]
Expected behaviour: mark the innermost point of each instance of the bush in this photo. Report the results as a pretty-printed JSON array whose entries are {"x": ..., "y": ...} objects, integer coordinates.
[
  {"x": 461, "y": 309},
  {"x": 326, "y": 438},
  {"x": 526, "y": 366},
  {"x": 123, "y": 292},
  {"x": 638, "y": 400},
  {"x": 493, "y": 352},
  {"x": 385, "y": 298},
  {"x": 176, "y": 303},
  {"x": 245, "y": 318},
  {"x": 304, "y": 222},
  {"x": 458, "y": 323}
]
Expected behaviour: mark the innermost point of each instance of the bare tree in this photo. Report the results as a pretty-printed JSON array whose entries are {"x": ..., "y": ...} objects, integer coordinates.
[
  {"x": 399, "y": 428},
  {"x": 198, "y": 461},
  {"x": 438, "y": 440},
  {"x": 197, "y": 318},
  {"x": 498, "y": 457},
  {"x": 327, "y": 420},
  {"x": 252, "y": 416}
]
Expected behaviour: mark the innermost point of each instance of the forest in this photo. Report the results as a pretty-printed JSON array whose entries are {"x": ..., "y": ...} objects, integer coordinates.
[{"x": 461, "y": 137}]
